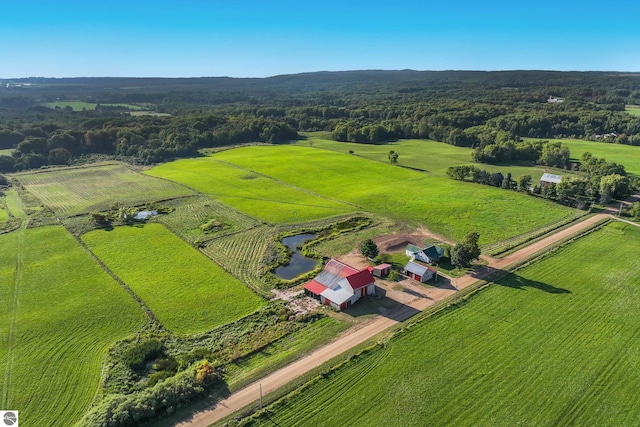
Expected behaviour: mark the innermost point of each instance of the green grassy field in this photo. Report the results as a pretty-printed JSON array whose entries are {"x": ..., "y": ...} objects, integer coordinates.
[
  {"x": 547, "y": 346},
  {"x": 633, "y": 109},
  {"x": 431, "y": 156},
  {"x": 6, "y": 152},
  {"x": 81, "y": 105},
  {"x": 72, "y": 191},
  {"x": 185, "y": 290},
  {"x": 448, "y": 207},
  {"x": 256, "y": 195},
  {"x": 3, "y": 215},
  {"x": 57, "y": 323},
  {"x": 626, "y": 155}
]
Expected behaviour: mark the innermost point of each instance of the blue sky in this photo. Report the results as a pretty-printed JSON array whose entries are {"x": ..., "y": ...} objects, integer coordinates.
[{"x": 193, "y": 38}]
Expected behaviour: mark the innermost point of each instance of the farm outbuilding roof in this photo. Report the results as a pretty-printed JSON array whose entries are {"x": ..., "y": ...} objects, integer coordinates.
[
  {"x": 381, "y": 267},
  {"x": 361, "y": 279},
  {"x": 315, "y": 287},
  {"x": 549, "y": 177},
  {"x": 415, "y": 268},
  {"x": 413, "y": 248}
]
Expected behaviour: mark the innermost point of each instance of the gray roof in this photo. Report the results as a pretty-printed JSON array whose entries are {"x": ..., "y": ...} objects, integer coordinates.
[
  {"x": 415, "y": 268},
  {"x": 413, "y": 248},
  {"x": 549, "y": 177}
]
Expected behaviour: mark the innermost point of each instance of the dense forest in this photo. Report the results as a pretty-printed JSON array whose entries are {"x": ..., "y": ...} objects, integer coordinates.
[{"x": 489, "y": 111}]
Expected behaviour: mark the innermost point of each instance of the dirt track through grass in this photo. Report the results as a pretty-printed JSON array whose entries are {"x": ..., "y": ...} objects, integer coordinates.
[{"x": 17, "y": 209}]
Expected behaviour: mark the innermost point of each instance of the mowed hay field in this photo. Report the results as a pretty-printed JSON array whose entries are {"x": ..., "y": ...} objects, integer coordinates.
[
  {"x": 61, "y": 312},
  {"x": 186, "y": 291},
  {"x": 256, "y": 195},
  {"x": 430, "y": 156},
  {"x": 626, "y": 155},
  {"x": 3, "y": 215},
  {"x": 72, "y": 191},
  {"x": 445, "y": 206},
  {"x": 549, "y": 345},
  {"x": 633, "y": 109}
]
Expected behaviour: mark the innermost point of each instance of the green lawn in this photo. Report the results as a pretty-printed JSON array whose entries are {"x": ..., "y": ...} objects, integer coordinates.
[
  {"x": 187, "y": 291},
  {"x": 58, "y": 320},
  {"x": 256, "y": 195},
  {"x": 3, "y": 215},
  {"x": 554, "y": 344},
  {"x": 626, "y": 155},
  {"x": 448, "y": 207},
  {"x": 72, "y": 191},
  {"x": 431, "y": 156},
  {"x": 633, "y": 109}
]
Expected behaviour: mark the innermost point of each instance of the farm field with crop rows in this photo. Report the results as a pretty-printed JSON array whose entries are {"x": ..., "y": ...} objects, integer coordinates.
[
  {"x": 185, "y": 290},
  {"x": 547, "y": 345},
  {"x": 254, "y": 194},
  {"x": 72, "y": 191},
  {"x": 57, "y": 324},
  {"x": 447, "y": 207},
  {"x": 189, "y": 215}
]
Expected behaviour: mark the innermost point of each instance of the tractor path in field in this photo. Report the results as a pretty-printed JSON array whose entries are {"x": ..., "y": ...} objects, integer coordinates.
[
  {"x": 17, "y": 209},
  {"x": 362, "y": 333}
]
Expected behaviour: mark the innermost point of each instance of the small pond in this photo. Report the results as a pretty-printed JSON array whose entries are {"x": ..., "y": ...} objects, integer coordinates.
[{"x": 298, "y": 264}]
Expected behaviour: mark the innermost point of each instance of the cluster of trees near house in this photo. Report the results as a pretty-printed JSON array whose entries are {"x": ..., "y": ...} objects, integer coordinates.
[{"x": 486, "y": 111}]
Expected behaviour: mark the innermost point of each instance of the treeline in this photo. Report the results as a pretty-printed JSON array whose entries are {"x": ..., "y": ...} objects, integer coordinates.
[
  {"x": 146, "y": 139},
  {"x": 603, "y": 182},
  {"x": 489, "y": 112}
]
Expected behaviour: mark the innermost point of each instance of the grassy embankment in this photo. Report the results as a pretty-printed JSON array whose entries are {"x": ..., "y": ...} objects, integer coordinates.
[
  {"x": 71, "y": 191},
  {"x": 186, "y": 291},
  {"x": 57, "y": 325},
  {"x": 547, "y": 345}
]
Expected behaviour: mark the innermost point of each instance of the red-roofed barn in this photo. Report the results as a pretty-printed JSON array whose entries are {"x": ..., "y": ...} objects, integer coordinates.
[{"x": 339, "y": 285}]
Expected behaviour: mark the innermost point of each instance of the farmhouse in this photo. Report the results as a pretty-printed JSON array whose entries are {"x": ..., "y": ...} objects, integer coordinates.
[
  {"x": 429, "y": 254},
  {"x": 549, "y": 178},
  {"x": 418, "y": 272},
  {"x": 340, "y": 285}
]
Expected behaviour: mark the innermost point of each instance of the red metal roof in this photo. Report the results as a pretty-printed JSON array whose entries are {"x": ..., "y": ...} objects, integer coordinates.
[
  {"x": 339, "y": 269},
  {"x": 381, "y": 266},
  {"x": 360, "y": 279},
  {"x": 315, "y": 287},
  {"x": 370, "y": 268}
]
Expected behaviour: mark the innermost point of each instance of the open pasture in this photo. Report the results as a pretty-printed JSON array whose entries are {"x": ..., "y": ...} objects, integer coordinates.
[
  {"x": 58, "y": 320},
  {"x": 186, "y": 291},
  {"x": 553, "y": 344},
  {"x": 81, "y": 105},
  {"x": 252, "y": 193},
  {"x": 448, "y": 207},
  {"x": 430, "y": 156},
  {"x": 626, "y": 155},
  {"x": 3, "y": 215},
  {"x": 72, "y": 191},
  {"x": 633, "y": 109}
]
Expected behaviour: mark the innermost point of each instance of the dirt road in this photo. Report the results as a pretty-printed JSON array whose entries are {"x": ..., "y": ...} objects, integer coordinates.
[{"x": 353, "y": 337}]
